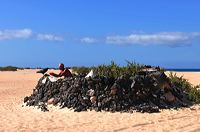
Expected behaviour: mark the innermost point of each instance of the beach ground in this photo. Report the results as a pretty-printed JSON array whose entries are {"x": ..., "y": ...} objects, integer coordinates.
[{"x": 14, "y": 86}]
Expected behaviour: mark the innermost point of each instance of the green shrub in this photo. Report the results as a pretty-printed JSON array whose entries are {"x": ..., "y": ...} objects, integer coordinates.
[
  {"x": 193, "y": 92},
  {"x": 8, "y": 68},
  {"x": 194, "y": 95},
  {"x": 81, "y": 70},
  {"x": 111, "y": 70}
]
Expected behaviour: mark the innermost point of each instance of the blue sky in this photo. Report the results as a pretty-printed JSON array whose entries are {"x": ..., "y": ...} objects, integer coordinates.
[{"x": 44, "y": 33}]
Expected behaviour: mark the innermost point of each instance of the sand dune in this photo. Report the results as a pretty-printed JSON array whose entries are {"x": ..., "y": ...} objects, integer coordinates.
[
  {"x": 14, "y": 86},
  {"x": 193, "y": 77}
]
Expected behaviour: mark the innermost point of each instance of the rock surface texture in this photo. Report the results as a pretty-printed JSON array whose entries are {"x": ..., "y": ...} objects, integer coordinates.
[{"x": 146, "y": 91}]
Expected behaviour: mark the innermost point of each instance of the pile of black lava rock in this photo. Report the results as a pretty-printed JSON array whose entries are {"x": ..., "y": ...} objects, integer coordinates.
[{"x": 147, "y": 91}]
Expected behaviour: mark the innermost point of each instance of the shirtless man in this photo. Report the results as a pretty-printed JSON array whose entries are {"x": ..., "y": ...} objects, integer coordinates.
[{"x": 63, "y": 72}]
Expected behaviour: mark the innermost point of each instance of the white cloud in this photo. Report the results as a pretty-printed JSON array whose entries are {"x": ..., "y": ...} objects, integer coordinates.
[
  {"x": 162, "y": 38},
  {"x": 15, "y": 34},
  {"x": 88, "y": 40},
  {"x": 142, "y": 38},
  {"x": 49, "y": 37},
  {"x": 27, "y": 33}
]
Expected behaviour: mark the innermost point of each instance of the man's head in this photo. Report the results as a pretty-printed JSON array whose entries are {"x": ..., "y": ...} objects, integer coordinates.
[{"x": 61, "y": 66}]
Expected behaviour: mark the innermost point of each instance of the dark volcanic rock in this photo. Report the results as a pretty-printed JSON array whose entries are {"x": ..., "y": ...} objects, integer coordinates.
[{"x": 144, "y": 92}]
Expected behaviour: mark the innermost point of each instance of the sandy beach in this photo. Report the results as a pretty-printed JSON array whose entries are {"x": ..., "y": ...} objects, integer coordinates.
[{"x": 14, "y": 86}]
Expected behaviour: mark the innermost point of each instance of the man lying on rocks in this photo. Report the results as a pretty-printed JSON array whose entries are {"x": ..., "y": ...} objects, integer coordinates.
[{"x": 63, "y": 72}]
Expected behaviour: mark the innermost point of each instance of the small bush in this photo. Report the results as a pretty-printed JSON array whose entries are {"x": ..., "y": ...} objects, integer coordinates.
[
  {"x": 81, "y": 70},
  {"x": 194, "y": 95},
  {"x": 111, "y": 70},
  {"x": 114, "y": 70},
  {"x": 193, "y": 92},
  {"x": 8, "y": 68}
]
